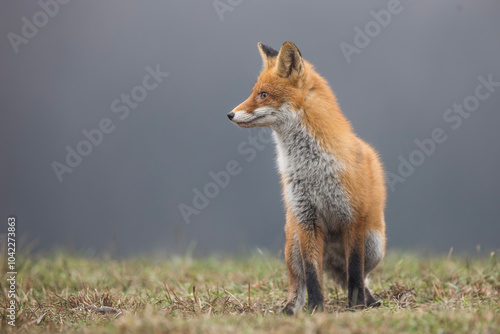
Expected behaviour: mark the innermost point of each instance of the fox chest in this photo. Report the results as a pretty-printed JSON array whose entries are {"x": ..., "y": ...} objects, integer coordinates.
[{"x": 311, "y": 182}]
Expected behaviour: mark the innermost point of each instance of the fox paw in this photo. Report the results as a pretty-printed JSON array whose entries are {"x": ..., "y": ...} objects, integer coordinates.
[
  {"x": 288, "y": 309},
  {"x": 376, "y": 303}
]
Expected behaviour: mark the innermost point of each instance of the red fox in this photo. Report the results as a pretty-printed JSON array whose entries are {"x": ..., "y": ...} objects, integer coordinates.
[{"x": 333, "y": 182}]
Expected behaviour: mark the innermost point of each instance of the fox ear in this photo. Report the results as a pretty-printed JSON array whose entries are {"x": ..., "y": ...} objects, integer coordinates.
[
  {"x": 266, "y": 52},
  {"x": 290, "y": 63}
]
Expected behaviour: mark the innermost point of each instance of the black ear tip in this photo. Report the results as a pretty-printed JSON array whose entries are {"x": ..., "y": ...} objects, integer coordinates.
[{"x": 269, "y": 51}]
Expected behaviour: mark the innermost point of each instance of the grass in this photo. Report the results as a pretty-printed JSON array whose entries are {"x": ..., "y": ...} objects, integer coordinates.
[{"x": 243, "y": 295}]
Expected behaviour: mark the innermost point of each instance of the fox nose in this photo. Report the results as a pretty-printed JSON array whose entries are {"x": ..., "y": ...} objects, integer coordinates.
[{"x": 230, "y": 115}]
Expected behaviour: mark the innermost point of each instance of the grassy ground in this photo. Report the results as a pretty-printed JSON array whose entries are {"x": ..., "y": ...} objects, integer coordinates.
[{"x": 216, "y": 295}]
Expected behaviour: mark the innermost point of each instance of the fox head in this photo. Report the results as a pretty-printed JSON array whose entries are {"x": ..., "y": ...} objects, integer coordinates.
[{"x": 278, "y": 92}]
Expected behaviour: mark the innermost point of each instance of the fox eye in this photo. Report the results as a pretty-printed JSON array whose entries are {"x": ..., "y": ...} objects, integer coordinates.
[{"x": 263, "y": 95}]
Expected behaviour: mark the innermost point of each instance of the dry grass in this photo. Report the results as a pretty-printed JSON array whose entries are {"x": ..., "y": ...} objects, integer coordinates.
[{"x": 214, "y": 295}]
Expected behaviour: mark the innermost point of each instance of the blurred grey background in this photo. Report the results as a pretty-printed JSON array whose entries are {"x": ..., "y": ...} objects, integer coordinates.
[{"x": 125, "y": 195}]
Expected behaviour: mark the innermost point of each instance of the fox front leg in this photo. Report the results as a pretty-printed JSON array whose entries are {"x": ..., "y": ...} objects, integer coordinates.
[
  {"x": 311, "y": 240},
  {"x": 293, "y": 259}
]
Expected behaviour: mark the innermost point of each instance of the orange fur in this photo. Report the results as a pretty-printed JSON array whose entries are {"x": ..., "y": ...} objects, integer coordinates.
[{"x": 363, "y": 177}]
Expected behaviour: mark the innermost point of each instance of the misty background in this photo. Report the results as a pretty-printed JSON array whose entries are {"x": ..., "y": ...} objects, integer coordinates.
[{"x": 125, "y": 194}]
